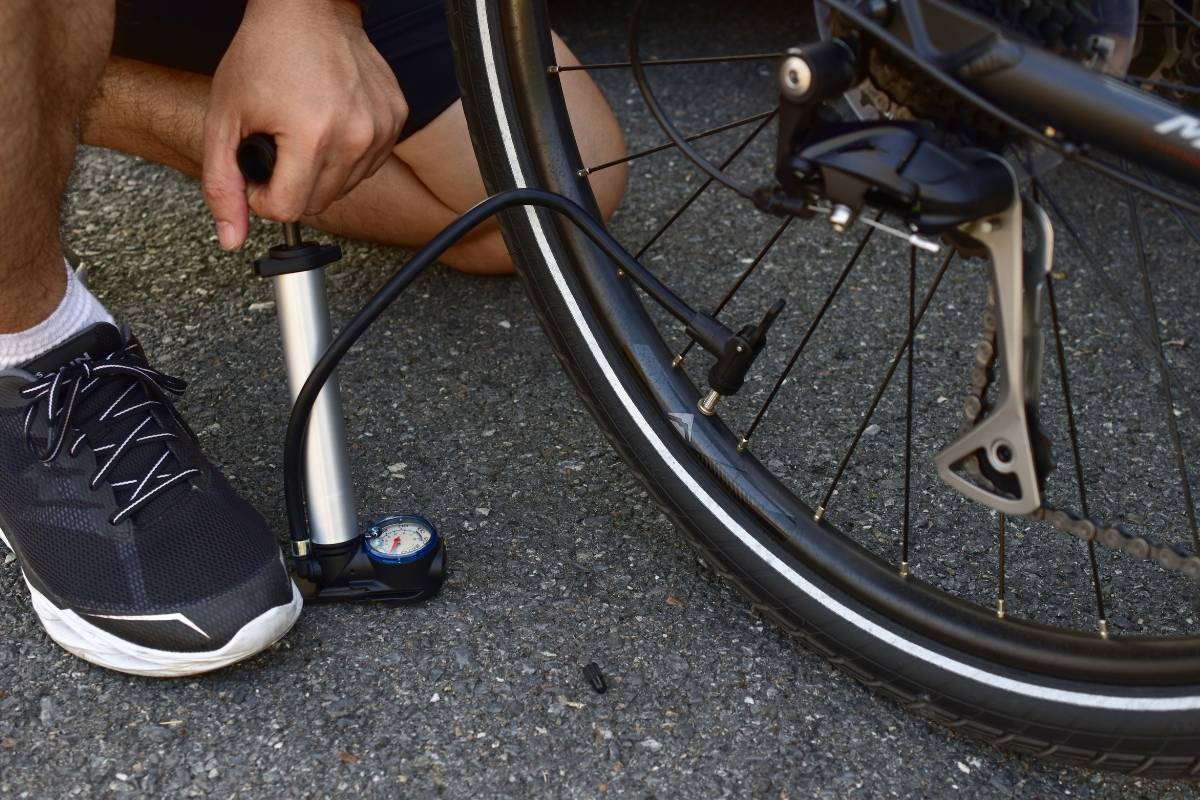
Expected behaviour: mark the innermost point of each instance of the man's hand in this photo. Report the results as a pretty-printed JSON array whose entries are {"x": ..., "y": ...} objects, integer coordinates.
[{"x": 304, "y": 72}]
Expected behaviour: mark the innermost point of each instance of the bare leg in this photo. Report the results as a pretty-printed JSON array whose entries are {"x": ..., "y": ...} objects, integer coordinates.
[
  {"x": 51, "y": 55},
  {"x": 158, "y": 114}
]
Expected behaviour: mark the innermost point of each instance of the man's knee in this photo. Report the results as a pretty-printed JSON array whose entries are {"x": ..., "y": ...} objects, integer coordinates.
[
  {"x": 64, "y": 44},
  {"x": 486, "y": 254}
]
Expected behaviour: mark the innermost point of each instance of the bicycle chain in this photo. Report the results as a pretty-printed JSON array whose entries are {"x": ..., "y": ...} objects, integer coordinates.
[{"x": 1177, "y": 558}]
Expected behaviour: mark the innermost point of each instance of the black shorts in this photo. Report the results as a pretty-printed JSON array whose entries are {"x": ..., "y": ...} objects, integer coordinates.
[{"x": 411, "y": 35}]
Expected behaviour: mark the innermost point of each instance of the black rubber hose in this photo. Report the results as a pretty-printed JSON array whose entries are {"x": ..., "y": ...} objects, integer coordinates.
[
  {"x": 293, "y": 457},
  {"x": 256, "y": 159}
]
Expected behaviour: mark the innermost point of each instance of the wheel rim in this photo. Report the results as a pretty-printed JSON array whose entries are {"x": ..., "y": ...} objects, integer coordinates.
[{"x": 912, "y": 604}]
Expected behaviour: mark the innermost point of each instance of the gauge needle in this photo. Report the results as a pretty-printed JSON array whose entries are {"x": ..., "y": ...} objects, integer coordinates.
[{"x": 395, "y": 544}]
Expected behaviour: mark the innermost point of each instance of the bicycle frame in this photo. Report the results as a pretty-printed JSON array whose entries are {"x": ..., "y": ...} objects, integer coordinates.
[{"x": 1068, "y": 102}]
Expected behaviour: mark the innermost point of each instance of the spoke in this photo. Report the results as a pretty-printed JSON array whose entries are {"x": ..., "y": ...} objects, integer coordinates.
[
  {"x": 1188, "y": 224},
  {"x": 668, "y": 62},
  {"x": 1168, "y": 394},
  {"x": 1073, "y": 431},
  {"x": 1116, "y": 295},
  {"x": 738, "y": 283},
  {"x": 908, "y": 402},
  {"x": 812, "y": 328},
  {"x": 695, "y": 195},
  {"x": 1181, "y": 12},
  {"x": 1122, "y": 177},
  {"x": 1000, "y": 570},
  {"x": 882, "y": 387},
  {"x": 1175, "y": 87},
  {"x": 583, "y": 173}
]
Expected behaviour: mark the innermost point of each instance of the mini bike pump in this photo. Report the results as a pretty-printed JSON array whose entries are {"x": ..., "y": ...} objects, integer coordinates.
[
  {"x": 399, "y": 558},
  {"x": 296, "y": 270}
]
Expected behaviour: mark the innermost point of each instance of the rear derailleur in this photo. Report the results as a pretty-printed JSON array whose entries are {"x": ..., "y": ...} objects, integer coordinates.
[{"x": 968, "y": 196}]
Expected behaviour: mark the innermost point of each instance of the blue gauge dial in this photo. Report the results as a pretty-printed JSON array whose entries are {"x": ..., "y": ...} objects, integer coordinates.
[{"x": 400, "y": 538}]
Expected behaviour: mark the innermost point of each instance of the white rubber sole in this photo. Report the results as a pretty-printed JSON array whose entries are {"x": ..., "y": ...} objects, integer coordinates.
[{"x": 81, "y": 638}]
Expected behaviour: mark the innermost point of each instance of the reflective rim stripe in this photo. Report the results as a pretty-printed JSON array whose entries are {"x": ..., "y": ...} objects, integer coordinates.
[{"x": 1048, "y": 693}]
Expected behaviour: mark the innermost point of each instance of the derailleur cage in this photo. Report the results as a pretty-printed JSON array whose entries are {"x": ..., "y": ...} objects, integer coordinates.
[{"x": 1005, "y": 443}]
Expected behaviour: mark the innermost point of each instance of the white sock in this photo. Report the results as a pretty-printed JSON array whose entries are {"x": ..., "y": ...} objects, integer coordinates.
[{"x": 78, "y": 310}]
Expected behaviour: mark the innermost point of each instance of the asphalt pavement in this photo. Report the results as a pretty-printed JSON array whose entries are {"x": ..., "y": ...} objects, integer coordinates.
[{"x": 458, "y": 410}]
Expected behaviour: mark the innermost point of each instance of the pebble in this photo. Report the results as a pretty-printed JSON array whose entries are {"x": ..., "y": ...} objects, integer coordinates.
[
  {"x": 462, "y": 656},
  {"x": 155, "y": 733},
  {"x": 47, "y": 713}
]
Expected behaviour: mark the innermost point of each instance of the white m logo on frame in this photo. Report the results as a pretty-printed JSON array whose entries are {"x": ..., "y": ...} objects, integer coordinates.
[{"x": 1185, "y": 126}]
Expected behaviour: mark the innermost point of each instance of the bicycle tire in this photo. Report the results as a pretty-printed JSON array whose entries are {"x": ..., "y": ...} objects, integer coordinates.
[{"x": 522, "y": 137}]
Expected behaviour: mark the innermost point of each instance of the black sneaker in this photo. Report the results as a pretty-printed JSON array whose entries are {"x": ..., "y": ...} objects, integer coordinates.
[{"x": 138, "y": 554}]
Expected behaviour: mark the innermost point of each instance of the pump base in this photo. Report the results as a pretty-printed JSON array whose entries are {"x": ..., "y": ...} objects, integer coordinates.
[{"x": 344, "y": 573}]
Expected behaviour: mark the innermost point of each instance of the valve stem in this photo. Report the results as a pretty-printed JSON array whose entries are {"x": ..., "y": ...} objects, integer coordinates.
[{"x": 708, "y": 405}]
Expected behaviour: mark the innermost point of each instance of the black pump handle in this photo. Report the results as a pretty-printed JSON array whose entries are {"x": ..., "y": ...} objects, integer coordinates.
[{"x": 256, "y": 157}]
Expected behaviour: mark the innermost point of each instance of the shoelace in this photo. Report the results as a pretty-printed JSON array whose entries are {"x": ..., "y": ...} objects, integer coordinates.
[{"x": 62, "y": 392}]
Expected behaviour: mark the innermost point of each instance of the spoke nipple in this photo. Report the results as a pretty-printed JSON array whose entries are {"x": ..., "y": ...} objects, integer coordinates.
[
  {"x": 903, "y": 569},
  {"x": 620, "y": 272},
  {"x": 583, "y": 173},
  {"x": 819, "y": 514},
  {"x": 552, "y": 69},
  {"x": 1000, "y": 608},
  {"x": 1103, "y": 628},
  {"x": 708, "y": 405},
  {"x": 676, "y": 361},
  {"x": 743, "y": 443}
]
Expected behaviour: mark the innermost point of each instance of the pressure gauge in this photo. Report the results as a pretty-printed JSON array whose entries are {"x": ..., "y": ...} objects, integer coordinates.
[{"x": 400, "y": 539}]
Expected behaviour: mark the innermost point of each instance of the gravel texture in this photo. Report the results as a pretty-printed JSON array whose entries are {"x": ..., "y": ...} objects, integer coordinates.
[{"x": 458, "y": 410}]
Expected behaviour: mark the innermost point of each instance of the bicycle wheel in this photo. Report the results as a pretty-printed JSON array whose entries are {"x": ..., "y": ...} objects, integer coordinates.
[{"x": 1052, "y": 687}]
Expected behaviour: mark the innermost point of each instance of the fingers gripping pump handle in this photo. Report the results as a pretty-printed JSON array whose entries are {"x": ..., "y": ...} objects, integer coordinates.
[
  {"x": 303, "y": 307},
  {"x": 256, "y": 160}
]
